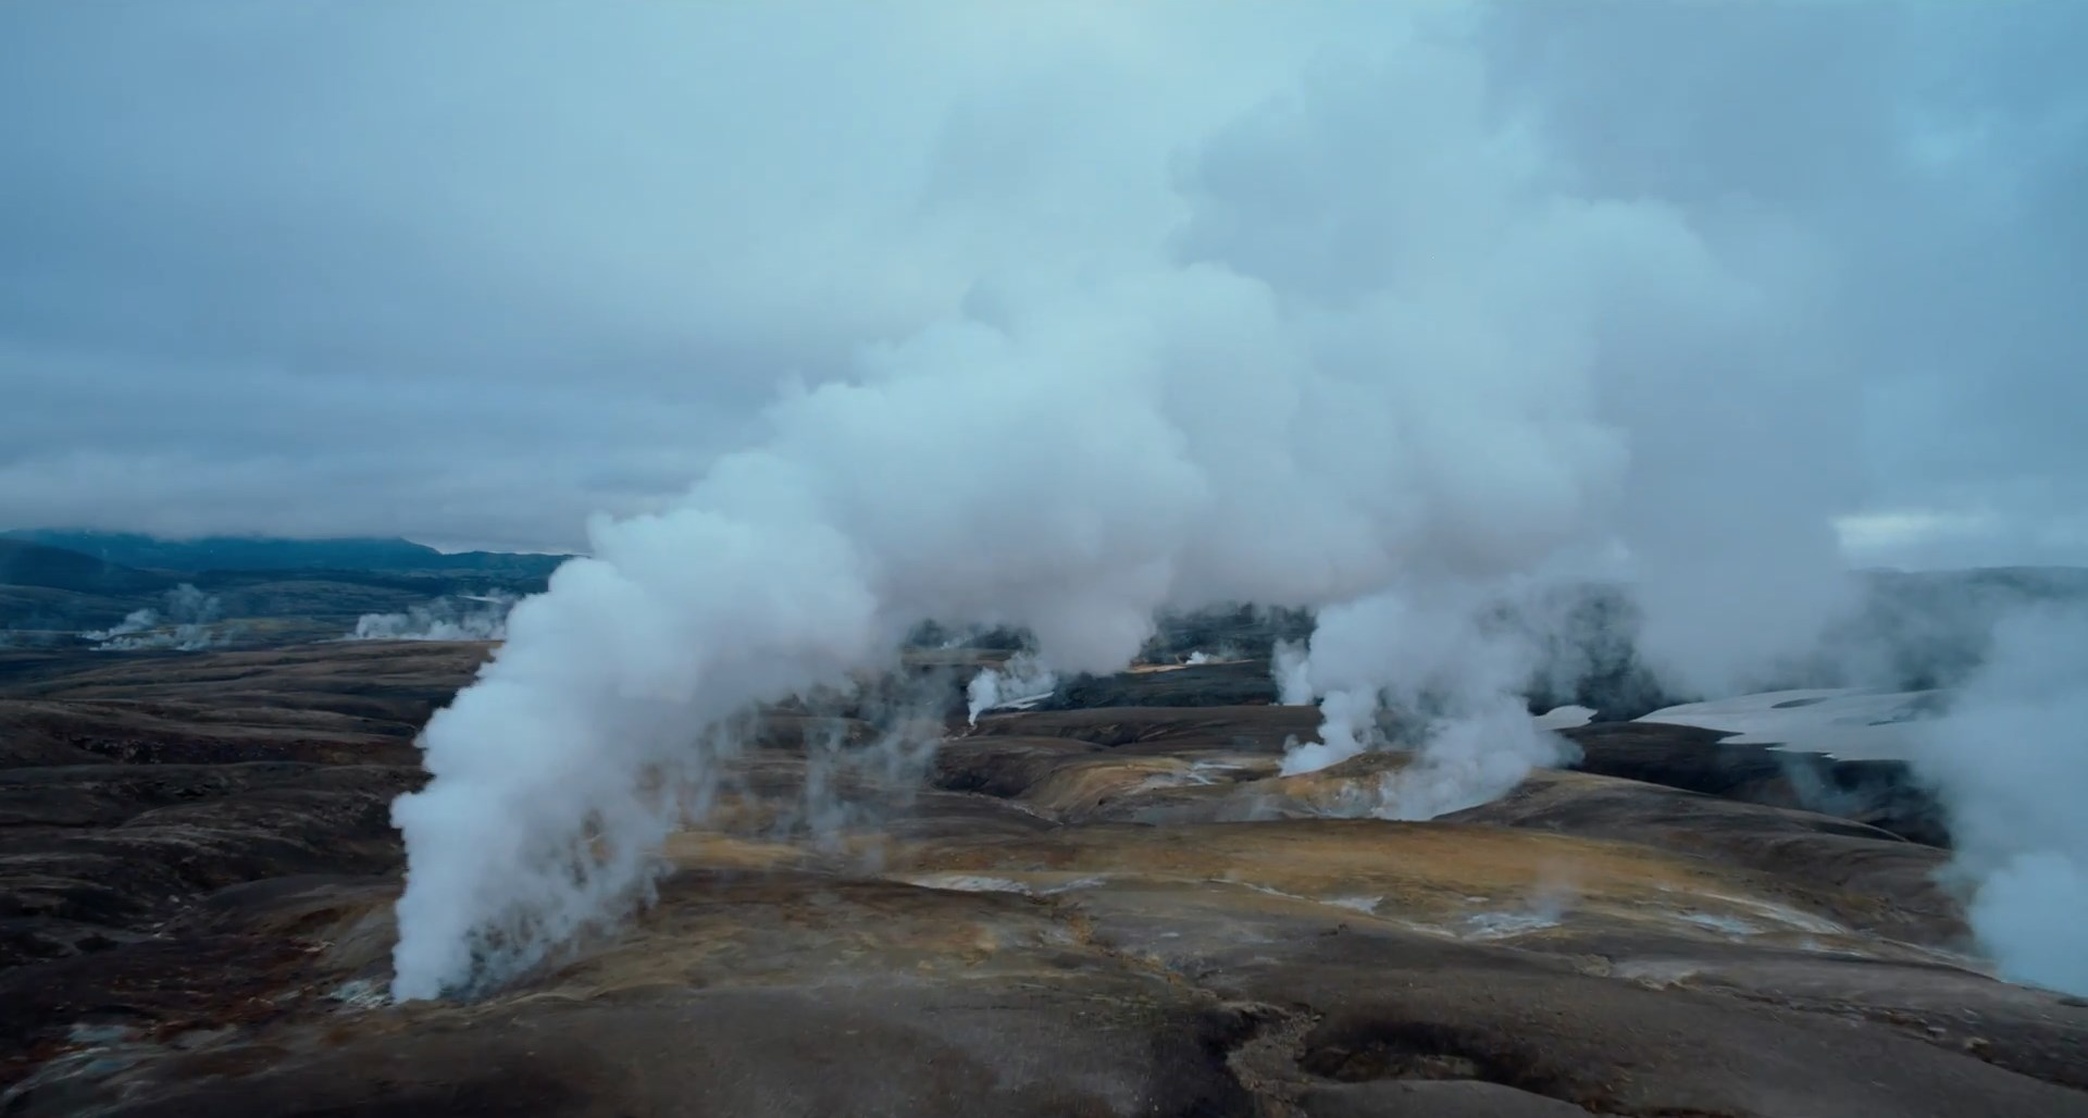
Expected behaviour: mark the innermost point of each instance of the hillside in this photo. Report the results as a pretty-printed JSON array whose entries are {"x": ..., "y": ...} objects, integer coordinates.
[
  {"x": 1101, "y": 911},
  {"x": 258, "y": 553},
  {"x": 45, "y": 567},
  {"x": 51, "y": 596}
]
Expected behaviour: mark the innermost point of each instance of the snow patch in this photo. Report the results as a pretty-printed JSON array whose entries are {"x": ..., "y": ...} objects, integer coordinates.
[{"x": 1839, "y": 722}]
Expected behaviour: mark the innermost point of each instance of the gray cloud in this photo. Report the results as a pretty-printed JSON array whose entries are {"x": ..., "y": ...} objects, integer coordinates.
[
  {"x": 1936, "y": 151},
  {"x": 471, "y": 271}
]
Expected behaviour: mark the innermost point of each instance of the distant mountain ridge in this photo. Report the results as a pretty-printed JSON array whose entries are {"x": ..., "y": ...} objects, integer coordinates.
[
  {"x": 255, "y": 591},
  {"x": 24, "y": 563},
  {"x": 263, "y": 553}
]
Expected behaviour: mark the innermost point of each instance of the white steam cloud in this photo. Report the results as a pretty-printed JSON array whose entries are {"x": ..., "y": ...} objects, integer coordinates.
[
  {"x": 1450, "y": 687},
  {"x": 186, "y": 624},
  {"x": 2011, "y": 758},
  {"x": 1022, "y": 681},
  {"x": 470, "y": 617},
  {"x": 1400, "y": 328}
]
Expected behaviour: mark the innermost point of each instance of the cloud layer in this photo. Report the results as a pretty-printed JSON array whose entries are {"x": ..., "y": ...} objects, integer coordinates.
[{"x": 472, "y": 272}]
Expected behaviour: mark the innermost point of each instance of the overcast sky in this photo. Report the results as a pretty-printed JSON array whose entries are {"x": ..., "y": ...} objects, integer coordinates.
[{"x": 469, "y": 272}]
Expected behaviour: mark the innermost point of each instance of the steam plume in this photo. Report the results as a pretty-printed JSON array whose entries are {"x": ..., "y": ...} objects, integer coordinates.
[
  {"x": 2011, "y": 759},
  {"x": 185, "y": 625},
  {"x": 1021, "y": 681},
  {"x": 1412, "y": 330},
  {"x": 466, "y": 618},
  {"x": 1427, "y": 661}
]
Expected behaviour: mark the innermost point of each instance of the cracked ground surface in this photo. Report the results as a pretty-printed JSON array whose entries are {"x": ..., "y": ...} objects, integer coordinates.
[{"x": 1115, "y": 911}]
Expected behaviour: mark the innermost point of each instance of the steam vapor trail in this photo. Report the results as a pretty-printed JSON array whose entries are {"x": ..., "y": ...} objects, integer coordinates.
[
  {"x": 1395, "y": 343},
  {"x": 467, "y": 618},
  {"x": 2011, "y": 758},
  {"x": 186, "y": 625},
  {"x": 790, "y": 566}
]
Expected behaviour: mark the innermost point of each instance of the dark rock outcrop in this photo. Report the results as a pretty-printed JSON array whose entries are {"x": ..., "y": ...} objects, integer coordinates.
[{"x": 1884, "y": 794}]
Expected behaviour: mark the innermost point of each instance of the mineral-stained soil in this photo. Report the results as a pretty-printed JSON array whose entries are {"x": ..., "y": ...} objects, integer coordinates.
[{"x": 1121, "y": 910}]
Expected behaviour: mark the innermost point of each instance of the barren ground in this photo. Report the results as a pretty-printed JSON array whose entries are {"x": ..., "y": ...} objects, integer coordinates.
[{"x": 1115, "y": 910}]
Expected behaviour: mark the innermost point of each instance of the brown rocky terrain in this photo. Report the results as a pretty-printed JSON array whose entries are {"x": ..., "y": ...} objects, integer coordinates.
[{"x": 1116, "y": 910}]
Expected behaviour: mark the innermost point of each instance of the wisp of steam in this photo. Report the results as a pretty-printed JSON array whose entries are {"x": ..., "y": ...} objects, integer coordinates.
[
  {"x": 2011, "y": 759},
  {"x": 1022, "y": 681},
  {"x": 186, "y": 625},
  {"x": 1441, "y": 314},
  {"x": 469, "y": 617}
]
